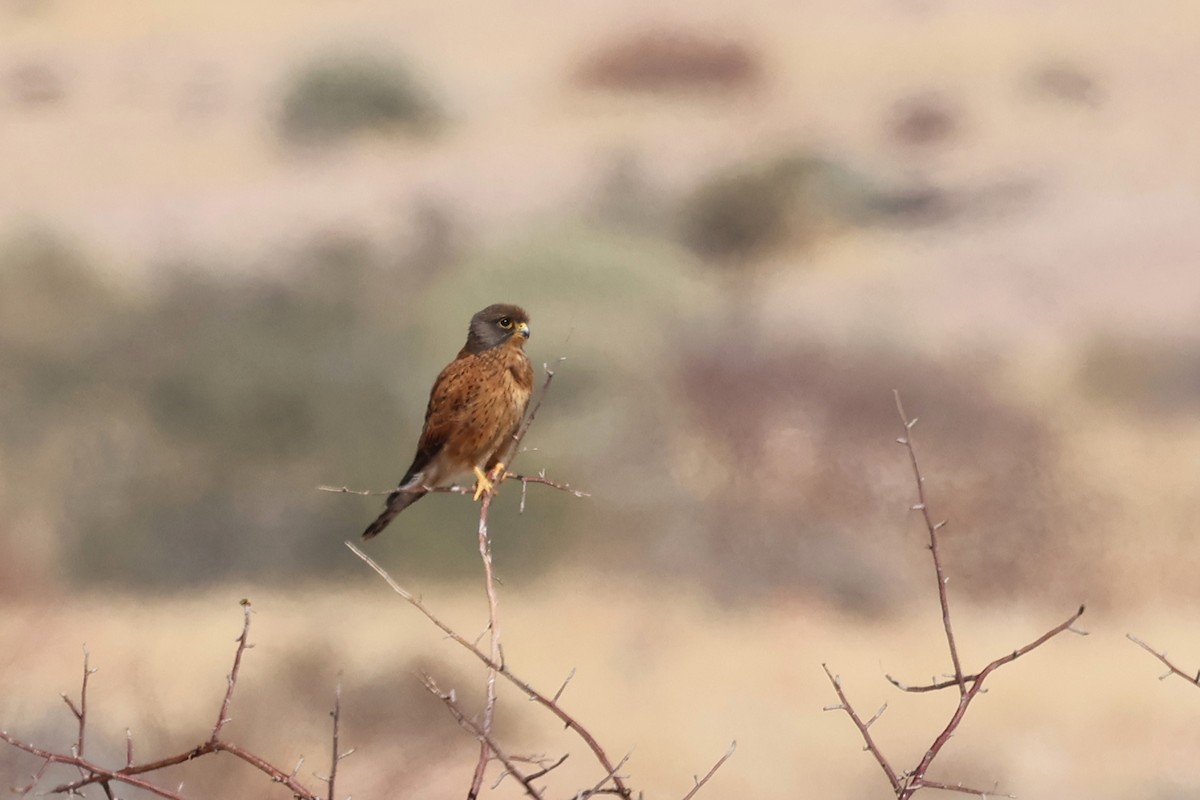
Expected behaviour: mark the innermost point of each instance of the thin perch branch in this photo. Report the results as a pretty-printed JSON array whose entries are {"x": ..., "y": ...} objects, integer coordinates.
[
  {"x": 489, "y": 705},
  {"x": 548, "y": 703}
]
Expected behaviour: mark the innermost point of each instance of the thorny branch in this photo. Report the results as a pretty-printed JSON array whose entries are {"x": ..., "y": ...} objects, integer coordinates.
[
  {"x": 502, "y": 669},
  {"x": 932, "y": 528},
  {"x": 1172, "y": 669},
  {"x": 131, "y": 774},
  {"x": 906, "y": 784},
  {"x": 864, "y": 728},
  {"x": 480, "y": 732}
]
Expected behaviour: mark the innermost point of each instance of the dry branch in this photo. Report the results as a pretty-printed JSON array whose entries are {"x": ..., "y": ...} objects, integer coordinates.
[
  {"x": 698, "y": 783},
  {"x": 489, "y": 705},
  {"x": 480, "y": 732},
  {"x": 550, "y": 704},
  {"x": 905, "y": 784},
  {"x": 131, "y": 774},
  {"x": 932, "y": 528},
  {"x": 1172, "y": 669}
]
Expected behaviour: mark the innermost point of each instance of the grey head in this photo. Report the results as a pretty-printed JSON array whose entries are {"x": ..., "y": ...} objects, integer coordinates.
[{"x": 495, "y": 325}]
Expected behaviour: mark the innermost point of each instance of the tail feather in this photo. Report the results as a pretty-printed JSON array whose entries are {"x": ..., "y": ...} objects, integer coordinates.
[{"x": 397, "y": 501}]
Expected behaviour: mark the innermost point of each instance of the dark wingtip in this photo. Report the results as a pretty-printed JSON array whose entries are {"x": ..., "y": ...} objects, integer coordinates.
[
  {"x": 381, "y": 522},
  {"x": 397, "y": 502}
]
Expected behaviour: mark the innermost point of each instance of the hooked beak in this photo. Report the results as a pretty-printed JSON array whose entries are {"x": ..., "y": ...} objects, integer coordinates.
[{"x": 523, "y": 329}]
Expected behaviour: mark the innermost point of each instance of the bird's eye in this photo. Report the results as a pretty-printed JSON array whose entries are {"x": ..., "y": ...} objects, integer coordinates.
[{"x": 505, "y": 323}]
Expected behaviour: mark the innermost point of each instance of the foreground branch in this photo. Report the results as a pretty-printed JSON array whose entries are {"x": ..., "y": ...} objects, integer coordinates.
[
  {"x": 131, "y": 774},
  {"x": 550, "y": 704}
]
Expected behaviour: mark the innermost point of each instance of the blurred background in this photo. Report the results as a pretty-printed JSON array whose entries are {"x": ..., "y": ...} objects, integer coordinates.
[{"x": 238, "y": 242}]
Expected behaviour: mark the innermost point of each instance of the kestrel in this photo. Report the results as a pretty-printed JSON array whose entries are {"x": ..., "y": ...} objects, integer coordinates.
[{"x": 475, "y": 408}]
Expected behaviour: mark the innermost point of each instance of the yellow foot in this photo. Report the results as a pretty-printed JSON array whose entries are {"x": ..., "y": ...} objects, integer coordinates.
[
  {"x": 487, "y": 482},
  {"x": 483, "y": 484}
]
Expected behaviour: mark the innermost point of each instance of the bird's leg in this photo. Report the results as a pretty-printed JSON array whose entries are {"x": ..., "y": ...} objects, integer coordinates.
[
  {"x": 482, "y": 483},
  {"x": 486, "y": 482}
]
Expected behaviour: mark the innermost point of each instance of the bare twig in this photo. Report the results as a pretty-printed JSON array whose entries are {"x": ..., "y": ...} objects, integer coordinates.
[
  {"x": 80, "y": 713},
  {"x": 1172, "y": 669},
  {"x": 698, "y": 783},
  {"x": 906, "y": 784},
  {"x": 612, "y": 775},
  {"x": 542, "y": 479},
  {"x": 489, "y": 705},
  {"x": 337, "y": 755},
  {"x": 548, "y": 703},
  {"x": 545, "y": 766},
  {"x": 519, "y": 436},
  {"x": 130, "y": 774},
  {"x": 864, "y": 729},
  {"x": 563, "y": 688},
  {"x": 35, "y": 779},
  {"x": 932, "y": 528},
  {"x": 231, "y": 680},
  {"x": 480, "y": 731},
  {"x": 958, "y": 787}
]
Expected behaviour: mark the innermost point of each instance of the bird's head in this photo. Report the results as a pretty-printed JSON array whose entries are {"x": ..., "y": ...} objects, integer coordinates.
[{"x": 496, "y": 325}]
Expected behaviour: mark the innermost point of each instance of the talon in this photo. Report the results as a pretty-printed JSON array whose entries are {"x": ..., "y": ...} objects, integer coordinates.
[{"x": 483, "y": 484}]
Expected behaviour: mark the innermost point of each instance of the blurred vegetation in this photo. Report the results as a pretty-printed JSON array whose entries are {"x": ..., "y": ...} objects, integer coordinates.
[
  {"x": 338, "y": 96},
  {"x": 176, "y": 432},
  {"x": 1143, "y": 374},
  {"x": 746, "y": 211},
  {"x": 927, "y": 119},
  {"x": 670, "y": 60},
  {"x": 178, "y": 435},
  {"x": 814, "y": 492}
]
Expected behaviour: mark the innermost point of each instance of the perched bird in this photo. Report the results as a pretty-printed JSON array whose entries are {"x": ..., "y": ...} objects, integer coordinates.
[{"x": 475, "y": 408}]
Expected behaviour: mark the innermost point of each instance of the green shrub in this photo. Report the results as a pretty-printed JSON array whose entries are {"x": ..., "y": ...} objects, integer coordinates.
[
  {"x": 336, "y": 97},
  {"x": 745, "y": 212}
]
